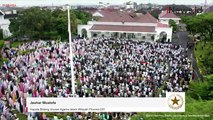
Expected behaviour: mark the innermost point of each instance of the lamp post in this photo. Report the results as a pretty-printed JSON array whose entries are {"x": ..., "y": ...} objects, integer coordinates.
[{"x": 71, "y": 53}]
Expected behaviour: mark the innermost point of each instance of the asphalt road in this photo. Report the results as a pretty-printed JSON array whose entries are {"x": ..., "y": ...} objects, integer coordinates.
[{"x": 183, "y": 39}]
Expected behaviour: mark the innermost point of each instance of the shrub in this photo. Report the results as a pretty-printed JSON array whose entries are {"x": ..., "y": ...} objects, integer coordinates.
[{"x": 1, "y": 44}]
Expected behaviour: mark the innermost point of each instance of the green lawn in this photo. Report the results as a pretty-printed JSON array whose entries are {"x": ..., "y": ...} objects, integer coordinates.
[
  {"x": 202, "y": 49},
  {"x": 1, "y": 43},
  {"x": 16, "y": 44},
  {"x": 21, "y": 116},
  {"x": 193, "y": 107},
  {"x": 59, "y": 115}
]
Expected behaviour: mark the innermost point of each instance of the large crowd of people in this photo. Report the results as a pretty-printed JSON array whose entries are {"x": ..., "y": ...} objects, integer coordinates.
[{"x": 103, "y": 68}]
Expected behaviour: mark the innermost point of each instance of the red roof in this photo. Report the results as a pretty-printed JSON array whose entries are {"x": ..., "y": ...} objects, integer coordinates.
[
  {"x": 162, "y": 25},
  {"x": 150, "y": 18},
  {"x": 123, "y": 28},
  {"x": 124, "y": 16},
  {"x": 168, "y": 15}
]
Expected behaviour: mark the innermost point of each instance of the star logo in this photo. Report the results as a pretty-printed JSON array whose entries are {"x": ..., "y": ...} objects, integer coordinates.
[{"x": 175, "y": 101}]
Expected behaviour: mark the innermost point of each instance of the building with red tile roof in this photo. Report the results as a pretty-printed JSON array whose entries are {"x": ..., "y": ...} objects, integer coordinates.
[
  {"x": 124, "y": 24},
  {"x": 162, "y": 25},
  {"x": 165, "y": 16},
  {"x": 123, "y": 16},
  {"x": 122, "y": 28}
]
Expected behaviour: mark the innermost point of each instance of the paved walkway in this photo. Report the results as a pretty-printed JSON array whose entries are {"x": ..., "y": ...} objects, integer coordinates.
[{"x": 182, "y": 39}]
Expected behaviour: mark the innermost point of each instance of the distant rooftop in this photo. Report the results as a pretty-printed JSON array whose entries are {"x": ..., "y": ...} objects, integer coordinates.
[
  {"x": 123, "y": 28},
  {"x": 177, "y": 7},
  {"x": 170, "y": 14},
  {"x": 9, "y": 14},
  {"x": 162, "y": 25},
  {"x": 125, "y": 16},
  {"x": 210, "y": 9}
]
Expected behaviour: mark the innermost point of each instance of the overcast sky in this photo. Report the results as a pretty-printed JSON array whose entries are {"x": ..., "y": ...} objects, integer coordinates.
[{"x": 95, "y": 2}]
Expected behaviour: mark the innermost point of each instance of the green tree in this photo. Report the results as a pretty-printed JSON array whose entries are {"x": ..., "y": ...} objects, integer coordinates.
[
  {"x": 82, "y": 17},
  {"x": 96, "y": 18},
  {"x": 33, "y": 22},
  {"x": 14, "y": 27},
  {"x": 173, "y": 24},
  {"x": 200, "y": 24},
  {"x": 154, "y": 14},
  {"x": 199, "y": 90},
  {"x": 207, "y": 60},
  {"x": 37, "y": 23},
  {"x": 202, "y": 90}
]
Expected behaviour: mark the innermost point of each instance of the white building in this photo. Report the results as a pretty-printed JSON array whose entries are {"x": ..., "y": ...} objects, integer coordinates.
[
  {"x": 64, "y": 7},
  {"x": 5, "y": 22},
  {"x": 165, "y": 16},
  {"x": 129, "y": 5},
  {"x": 123, "y": 24}
]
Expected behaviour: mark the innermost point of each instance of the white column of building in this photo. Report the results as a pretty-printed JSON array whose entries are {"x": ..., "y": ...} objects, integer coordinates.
[{"x": 71, "y": 53}]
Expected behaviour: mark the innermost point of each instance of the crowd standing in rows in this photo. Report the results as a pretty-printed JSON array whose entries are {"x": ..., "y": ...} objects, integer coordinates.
[{"x": 103, "y": 68}]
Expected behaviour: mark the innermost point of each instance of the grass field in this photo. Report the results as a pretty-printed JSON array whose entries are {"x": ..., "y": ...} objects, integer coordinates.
[
  {"x": 21, "y": 116},
  {"x": 202, "y": 49},
  {"x": 16, "y": 44},
  {"x": 203, "y": 110},
  {"x": 1, "y": 43}
]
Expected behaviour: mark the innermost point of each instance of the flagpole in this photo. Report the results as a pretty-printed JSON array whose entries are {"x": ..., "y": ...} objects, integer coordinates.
[{"x": 71, "y": 53}]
